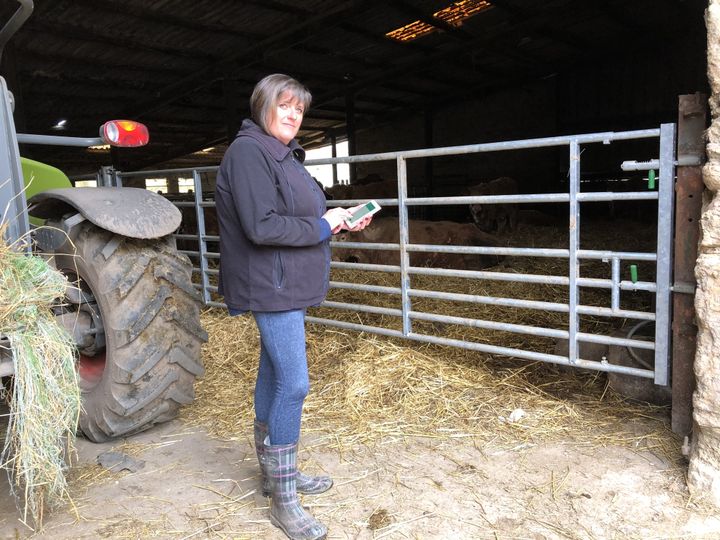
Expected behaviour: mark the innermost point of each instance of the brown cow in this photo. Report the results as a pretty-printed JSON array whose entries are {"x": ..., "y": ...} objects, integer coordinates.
[
  {"x": 383, "y": 189},
  {"x": 189, "y": 225},
  {"x": 495, "y": 217},
  {"x": 385, "y": 230}
]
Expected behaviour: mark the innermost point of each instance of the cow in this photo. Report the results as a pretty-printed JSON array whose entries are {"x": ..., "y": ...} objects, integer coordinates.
[
  {"x": 189, "y": 226},
  {"x": 385, "y": 230},
  {"x": 498, "y": 218},
  {"x": 382, "y": 189}
]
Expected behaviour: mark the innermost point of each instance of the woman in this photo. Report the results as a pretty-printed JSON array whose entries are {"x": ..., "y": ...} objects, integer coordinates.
[{"x": 275, "y": 262}]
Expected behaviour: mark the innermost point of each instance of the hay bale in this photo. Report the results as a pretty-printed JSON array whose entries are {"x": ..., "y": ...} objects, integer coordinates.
[{"x": 44, "y": 398}]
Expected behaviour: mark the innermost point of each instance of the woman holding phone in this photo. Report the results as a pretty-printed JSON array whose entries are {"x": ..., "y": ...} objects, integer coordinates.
[{"x": 275, "y": 263}]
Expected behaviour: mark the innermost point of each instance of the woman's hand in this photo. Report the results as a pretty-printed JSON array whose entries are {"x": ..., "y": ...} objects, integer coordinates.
[{"x": 336, "y": 218}]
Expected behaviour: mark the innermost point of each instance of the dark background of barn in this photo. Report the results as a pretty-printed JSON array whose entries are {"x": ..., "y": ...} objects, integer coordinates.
[{"x": 520, "y": 69}]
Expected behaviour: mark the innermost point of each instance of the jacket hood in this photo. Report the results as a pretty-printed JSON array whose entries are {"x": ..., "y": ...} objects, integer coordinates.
[{"x": 275, "y": 148}]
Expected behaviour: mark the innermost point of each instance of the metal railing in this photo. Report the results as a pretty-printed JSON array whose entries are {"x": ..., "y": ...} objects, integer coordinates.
[{"x": 660, "y": 288}]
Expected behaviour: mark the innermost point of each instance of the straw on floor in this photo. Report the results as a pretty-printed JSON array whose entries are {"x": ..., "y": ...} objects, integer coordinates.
[
  {"x": 367, "y": 389},
  {"x": 370, "y": 389}
]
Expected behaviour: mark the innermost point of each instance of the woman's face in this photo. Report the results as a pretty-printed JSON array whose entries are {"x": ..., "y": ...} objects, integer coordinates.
[{"x": 286, "y": 118}]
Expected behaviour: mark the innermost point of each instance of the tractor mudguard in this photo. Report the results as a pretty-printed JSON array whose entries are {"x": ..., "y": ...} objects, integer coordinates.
[{"x": 133, "y": 212}]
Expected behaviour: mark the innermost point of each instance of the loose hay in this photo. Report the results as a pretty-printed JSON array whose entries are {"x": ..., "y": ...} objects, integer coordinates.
[
  {"x": 368, "y": 390},
  {"x": 44, "y": 398}
]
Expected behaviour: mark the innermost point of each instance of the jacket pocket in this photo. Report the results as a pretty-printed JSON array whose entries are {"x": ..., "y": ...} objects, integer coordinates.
[{"x": 278, "y": 271}]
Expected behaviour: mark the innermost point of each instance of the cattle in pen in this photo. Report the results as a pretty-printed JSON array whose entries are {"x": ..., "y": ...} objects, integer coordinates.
[
  {"x": 378, "y": 189},
  {"x": 495, "y": 218},
  {"x": 442, "y": 233}
]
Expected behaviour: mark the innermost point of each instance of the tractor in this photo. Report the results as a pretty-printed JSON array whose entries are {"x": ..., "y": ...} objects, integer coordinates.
[{"x": 130, "y": 304}]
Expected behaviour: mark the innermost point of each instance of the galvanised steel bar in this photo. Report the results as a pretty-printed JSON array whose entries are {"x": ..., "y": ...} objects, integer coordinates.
[
  {"x": 574, "y": 245},
  {"x": 666, "y": 206},
  {"x": 483, "y": 347},
  {"x": 530, "y": 304},
  {"x": 363, "y": 308},
  {"x": 17, "y": 19},
  {"x": 485, "y": 250},
  {"x": 499, "y": 276},
  {"x": 404, "y": 238},
  {"x": 494, "y": 147},
  {"x": 528, "y": 330},
  {"x": 366, "y": 288},
  {"x": 610, "y": 196},
  {"x": 200, "y": 220},
  {"x": 598, "y": 196},
  {"x": 611, "y": 340},
  {"x": 491, "y": 325},
  {"x": 615, "y": 294},
  {"x": 156, "y": 172}
]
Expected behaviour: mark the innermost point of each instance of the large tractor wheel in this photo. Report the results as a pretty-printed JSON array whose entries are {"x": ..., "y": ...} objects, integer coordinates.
[{"x": 140, "y": 353}]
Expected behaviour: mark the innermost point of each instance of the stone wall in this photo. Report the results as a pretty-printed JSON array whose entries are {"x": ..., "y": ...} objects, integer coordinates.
[{"x": 704, "y": 470}]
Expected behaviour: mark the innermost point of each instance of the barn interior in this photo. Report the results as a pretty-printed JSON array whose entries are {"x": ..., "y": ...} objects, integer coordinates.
[{"x": 394, "y": 76}]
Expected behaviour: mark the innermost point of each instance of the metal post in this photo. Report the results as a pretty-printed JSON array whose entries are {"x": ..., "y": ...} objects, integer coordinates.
[
  {"x": 107, "y": 177},
  {"x": 615, "y": 294},
  {"x": 12, "y": 186},
  {"x": 666, "y": 190},
  {"x": 574, "y": 246},
  {"x": 404, "y": 239},
  {"x": 692, "y": 118},
  {"x": 202, "y": 243}
]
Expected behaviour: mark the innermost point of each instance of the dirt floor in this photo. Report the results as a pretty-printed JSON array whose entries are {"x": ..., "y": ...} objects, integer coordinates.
[{"x": 196, "y": 486}]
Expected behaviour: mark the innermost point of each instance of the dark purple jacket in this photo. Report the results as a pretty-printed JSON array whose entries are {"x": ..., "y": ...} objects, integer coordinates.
[{"x": 274, "y": 249}]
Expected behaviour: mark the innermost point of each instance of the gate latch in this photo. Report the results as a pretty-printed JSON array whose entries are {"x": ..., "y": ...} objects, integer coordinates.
[{"x": 683, "y": 287}]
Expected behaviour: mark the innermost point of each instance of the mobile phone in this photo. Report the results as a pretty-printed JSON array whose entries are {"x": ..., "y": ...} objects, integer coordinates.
[{"x": 367, "y": 209}]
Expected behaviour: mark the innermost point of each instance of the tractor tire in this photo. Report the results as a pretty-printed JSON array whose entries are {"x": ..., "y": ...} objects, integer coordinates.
[{"x": 146, "y": 364}]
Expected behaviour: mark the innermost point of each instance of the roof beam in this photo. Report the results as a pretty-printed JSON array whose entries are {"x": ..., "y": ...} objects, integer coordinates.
[
  {"x": 250, "y": 55},
  {"x": 74, "y": 32}
]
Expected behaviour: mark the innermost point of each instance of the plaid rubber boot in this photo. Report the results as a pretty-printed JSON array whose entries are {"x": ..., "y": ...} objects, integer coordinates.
[
  {"x": 307, "y": 485},
  {"x": 286, "y": 512}
]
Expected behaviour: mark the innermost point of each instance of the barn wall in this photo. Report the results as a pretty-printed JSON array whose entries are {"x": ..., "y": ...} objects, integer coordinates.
[
  {"x": 704, "y": 469},
  {"x": 499, "y": 116}
]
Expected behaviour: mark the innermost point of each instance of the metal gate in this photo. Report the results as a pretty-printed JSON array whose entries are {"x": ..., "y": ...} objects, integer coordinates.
[{"x": 660, "y": 288}]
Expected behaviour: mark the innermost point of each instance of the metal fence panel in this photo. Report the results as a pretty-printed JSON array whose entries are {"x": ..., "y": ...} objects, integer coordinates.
[{"x": 662, "y": 257}]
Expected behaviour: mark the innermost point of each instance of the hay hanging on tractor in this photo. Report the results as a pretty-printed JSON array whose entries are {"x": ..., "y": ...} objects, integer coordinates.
[{"x": 44, "y": 397}]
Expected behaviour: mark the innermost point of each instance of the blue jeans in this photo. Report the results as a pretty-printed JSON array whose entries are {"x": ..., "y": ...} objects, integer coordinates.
[{"x": 282, "y": 380}]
